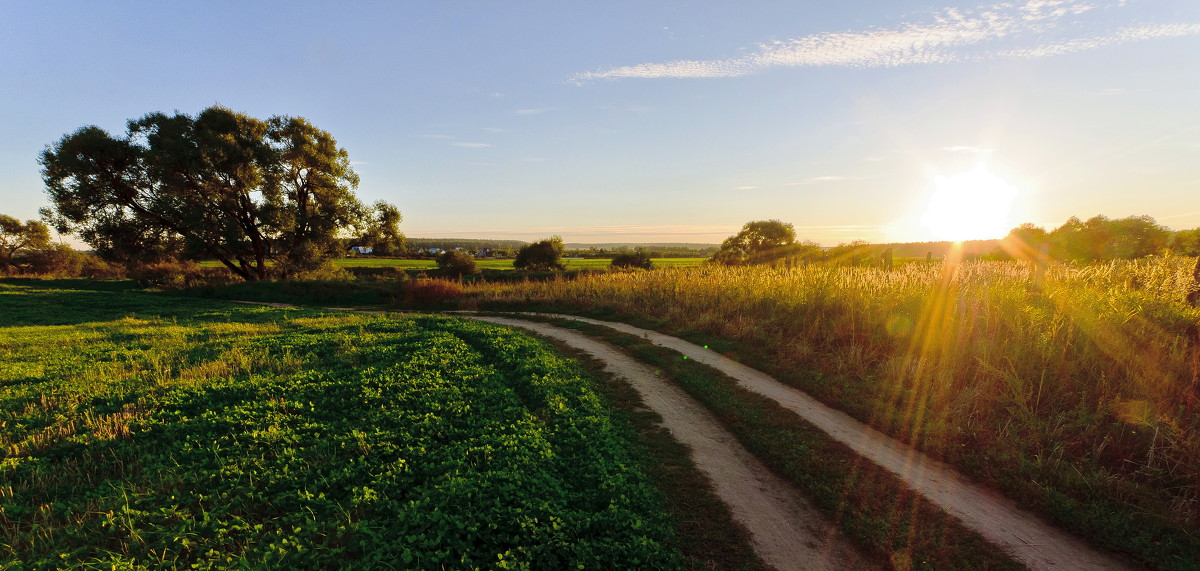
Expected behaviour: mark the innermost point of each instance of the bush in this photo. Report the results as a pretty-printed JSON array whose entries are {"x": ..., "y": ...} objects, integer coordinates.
[
  {"x": 175, "y": 274},
  {"x": 637, "y": 259},
  {"x": 58, "y": 260},
  {"x": 543, "y": 255},
  {"x": 456, "y": 263}
]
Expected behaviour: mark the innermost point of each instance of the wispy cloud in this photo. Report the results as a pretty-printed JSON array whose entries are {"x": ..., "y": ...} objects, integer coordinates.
[
  {"x": 1007, "y": 30},
  {"x": 536, "y": 111},
  {"x": 966, "y": 149},
  {"x": 470, "y": 145},
  {"x": 818, "y": 179},
  {"x": 745, "y": 187}
]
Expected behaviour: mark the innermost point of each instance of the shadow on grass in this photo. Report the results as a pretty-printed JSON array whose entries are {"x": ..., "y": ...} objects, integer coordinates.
[{"x": 50, "y": 302}]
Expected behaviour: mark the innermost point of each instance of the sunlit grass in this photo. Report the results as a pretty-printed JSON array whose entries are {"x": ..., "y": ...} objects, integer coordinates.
[
  {"x": 485, "y": 263},
  {"x": 1077, "y": 394},
  {"x": 141, "y": 430}
]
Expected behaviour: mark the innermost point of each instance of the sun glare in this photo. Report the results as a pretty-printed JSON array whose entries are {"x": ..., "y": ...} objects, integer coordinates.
[{"x": 972, "y": 205}]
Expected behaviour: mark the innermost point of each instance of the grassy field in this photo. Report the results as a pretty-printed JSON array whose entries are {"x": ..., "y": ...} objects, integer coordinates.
[
  {"x": 571, "y": 263},
  {"x": 1077, "y": 396},
  {"x": 141, "y": 430}
]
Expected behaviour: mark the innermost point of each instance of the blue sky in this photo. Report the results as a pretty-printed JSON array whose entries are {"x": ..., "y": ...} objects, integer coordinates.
[{"x": 665, "y": 121}]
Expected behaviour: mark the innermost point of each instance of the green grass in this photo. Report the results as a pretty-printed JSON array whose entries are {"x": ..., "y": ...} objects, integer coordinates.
[
  {"x": 870, "y": 505},
  {"x": 571, "y": 264},
  {"x": 707, "y": 533},
  {"x": 143, "y": 430},
  {"x": 1076, "y": 396}
]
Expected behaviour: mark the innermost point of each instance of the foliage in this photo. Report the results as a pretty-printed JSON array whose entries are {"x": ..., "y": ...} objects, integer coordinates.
[
  {"x": 196, "y": 434},
  {"x": 456, "y": 263},
  {"x": 17, "y": 238},
  {"x": 221, "y": 185},
  {"x": 541, "y": 256},
  {"x": 1186, "y": 242},
  {"x": 759, "y": 241},
  {"x": 383, "y": 234},
  {"x": 1099, "y": 238},
  {"x": 465, "y": 243},
  {"x": 638, "y": 259},
  {"x": 1076, "y": 396}
]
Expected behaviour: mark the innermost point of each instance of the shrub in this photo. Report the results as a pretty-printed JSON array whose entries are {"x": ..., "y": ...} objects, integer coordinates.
[
  {"x": 543, "y": 255},
  {"x": 638, "y": 259},
  {"x": 456, "y": 263},
  {"x": 58, "y": 260},
  {"x": 176, "y": 274}
]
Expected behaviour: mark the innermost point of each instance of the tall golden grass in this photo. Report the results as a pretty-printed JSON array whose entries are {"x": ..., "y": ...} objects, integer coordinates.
[{"x": 1061, "y": 388}]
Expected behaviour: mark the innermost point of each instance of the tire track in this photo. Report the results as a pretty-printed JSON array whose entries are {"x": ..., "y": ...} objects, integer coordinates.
[
  {"x": 786, "y": 530},
  {"x": 1025, "y": 536}
]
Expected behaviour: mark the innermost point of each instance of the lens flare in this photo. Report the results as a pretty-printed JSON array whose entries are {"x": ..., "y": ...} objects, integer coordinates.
[{"x": 974, "y": 205}]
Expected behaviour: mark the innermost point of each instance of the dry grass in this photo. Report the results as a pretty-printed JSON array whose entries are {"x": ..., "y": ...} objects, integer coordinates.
[{"x": 1076, "y": 389}]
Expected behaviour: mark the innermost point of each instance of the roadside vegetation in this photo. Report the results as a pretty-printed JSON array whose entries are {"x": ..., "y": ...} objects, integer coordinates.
[
  {"x": 1072, "y": 388},
  {"x": 869, "y": 504},
  {"x": 142, "y": 430}
]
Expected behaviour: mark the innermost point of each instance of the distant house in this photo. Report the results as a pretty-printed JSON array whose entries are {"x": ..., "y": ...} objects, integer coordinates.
[{"x": 362, "y": 249}]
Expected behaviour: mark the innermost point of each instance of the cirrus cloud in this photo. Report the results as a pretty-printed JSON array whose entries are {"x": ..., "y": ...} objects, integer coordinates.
[{"x": 951, "y": 35}]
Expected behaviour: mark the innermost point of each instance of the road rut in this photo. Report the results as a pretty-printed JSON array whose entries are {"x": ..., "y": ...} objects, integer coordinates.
[{"x": 1025, "y": 536}]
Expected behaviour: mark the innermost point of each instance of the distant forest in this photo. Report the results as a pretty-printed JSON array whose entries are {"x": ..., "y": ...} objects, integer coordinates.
[{"x": 575, "y": 250}]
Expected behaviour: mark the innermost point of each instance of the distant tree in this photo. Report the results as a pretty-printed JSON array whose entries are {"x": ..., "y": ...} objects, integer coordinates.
[
  {"x": 636, "y": 259},
  {"x": 1136, "y": 237},
  {"x": 456, "y": 263},
  {"x": 760, "y": 241},
  {"x": 219, "y": 185},
  {"x": 383, "y": 234},
  {"x": 1186, "y": 242},
  {"x": 1025, "y": 242},
  {"x": 1103, "y": 239},
  {"x": 544, "y": 255},
  {"x": 17, "y": 238}
]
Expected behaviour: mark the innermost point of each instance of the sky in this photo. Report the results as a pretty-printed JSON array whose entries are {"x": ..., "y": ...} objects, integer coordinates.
[{"x": 661, "y": 121}]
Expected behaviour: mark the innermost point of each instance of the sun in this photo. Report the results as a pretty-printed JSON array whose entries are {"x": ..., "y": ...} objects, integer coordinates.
[{"x": 972, "y": 205}]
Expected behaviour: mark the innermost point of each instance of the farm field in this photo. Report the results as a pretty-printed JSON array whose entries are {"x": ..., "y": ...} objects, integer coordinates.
[
  {"x": 1075, "y": 395},
  {"x": 142, "y": 430},
  {"x": 570, "y": 263}
]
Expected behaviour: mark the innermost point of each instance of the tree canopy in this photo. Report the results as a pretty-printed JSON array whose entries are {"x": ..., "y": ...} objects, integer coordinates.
[
  {"x": 1098, "y": 238},
  {"x": 220, "y": 185},
  {"x": 759, "y": 241},
  {"x": 543, "y": 255},
  {"x": 17, "y": 238}
]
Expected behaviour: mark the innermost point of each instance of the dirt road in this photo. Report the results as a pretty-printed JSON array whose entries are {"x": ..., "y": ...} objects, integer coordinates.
[
  {"x": 1025, "y": 536},
  {"x": 787, "y": 532}
]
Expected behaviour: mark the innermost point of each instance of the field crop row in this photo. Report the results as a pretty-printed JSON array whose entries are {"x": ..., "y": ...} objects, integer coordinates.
[
  {"x": 1077, "y": 394},
  {"x": 191, "y": 433}
]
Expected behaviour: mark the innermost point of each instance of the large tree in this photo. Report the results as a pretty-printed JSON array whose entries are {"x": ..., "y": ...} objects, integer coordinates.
[
  {"x": 760, "y": 241},
  {"x": 220, "y": 185},
  {"x": 17, "y": 238}
]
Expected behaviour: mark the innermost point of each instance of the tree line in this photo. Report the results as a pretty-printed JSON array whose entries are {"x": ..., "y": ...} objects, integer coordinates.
[{"x": 1097, "y": 239}]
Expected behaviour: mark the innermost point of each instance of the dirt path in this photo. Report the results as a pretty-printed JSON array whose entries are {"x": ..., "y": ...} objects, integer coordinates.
[
  {"x": 787, "y": 532},
  {"x": 1023, "y": 535}
]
